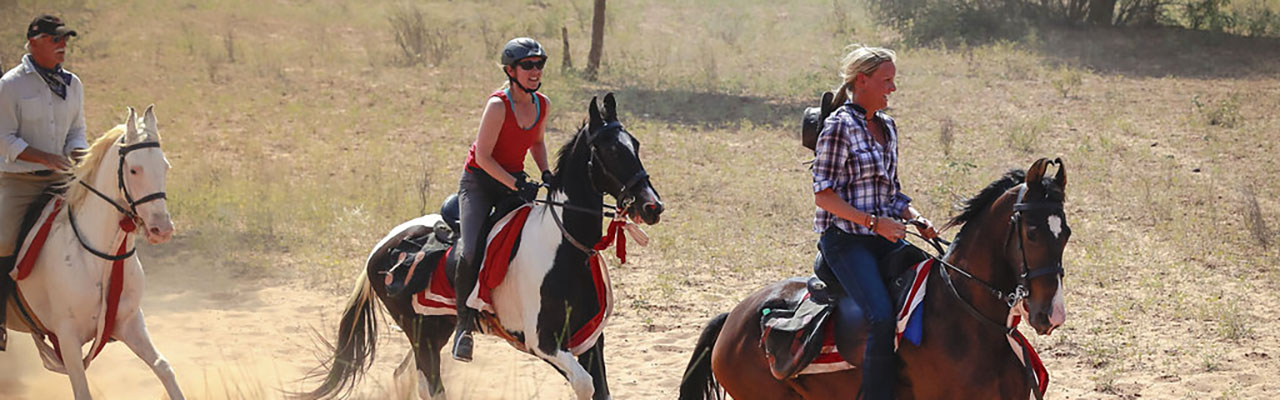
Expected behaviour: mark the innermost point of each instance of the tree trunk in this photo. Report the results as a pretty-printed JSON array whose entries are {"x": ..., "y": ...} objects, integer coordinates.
[
  {"x": 567, "y": 65},
  {"x": 597, "y": 42},
  {"x": 1101, "y": 12}
]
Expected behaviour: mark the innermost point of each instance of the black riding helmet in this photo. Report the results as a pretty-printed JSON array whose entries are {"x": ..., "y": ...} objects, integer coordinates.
[{"x": 518, "y": 49}]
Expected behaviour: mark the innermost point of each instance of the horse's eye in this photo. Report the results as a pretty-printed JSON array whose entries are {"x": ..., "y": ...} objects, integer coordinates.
[
  {"x": 1033, "y": 233},
  {"x": 133, "y": 171}
]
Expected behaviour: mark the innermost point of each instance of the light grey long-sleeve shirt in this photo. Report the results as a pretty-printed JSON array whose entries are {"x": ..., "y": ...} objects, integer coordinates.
[{"x": 32, "y": 116}]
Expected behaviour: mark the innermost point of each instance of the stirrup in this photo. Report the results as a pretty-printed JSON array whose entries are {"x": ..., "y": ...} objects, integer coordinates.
[{"x": 462, "y": 346}]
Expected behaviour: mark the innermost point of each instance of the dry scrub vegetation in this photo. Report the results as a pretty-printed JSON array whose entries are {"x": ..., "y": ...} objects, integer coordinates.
[{"x": 301, "y": 131}]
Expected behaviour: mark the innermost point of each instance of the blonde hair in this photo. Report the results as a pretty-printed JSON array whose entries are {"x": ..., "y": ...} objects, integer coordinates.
[{"x": 861, "y": 60}]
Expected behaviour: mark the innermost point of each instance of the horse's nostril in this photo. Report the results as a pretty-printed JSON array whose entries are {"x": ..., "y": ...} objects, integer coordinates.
[
  {"x": 655, "y": 207},
  {"x": 155, "y": 231}
]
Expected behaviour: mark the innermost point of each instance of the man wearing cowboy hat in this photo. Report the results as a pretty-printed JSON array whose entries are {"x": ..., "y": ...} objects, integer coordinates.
[{"x": 41, "y": 126}]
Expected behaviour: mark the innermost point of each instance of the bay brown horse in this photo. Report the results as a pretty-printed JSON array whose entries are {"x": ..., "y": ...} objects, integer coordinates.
[{"x": 1006, "y": 260}]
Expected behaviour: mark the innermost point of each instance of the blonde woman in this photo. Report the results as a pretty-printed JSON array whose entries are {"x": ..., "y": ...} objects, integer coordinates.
[{"x": 860, "y": 208}]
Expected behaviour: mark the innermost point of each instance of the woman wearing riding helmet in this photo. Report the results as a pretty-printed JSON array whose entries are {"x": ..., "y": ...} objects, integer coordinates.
[
  {"x": 860, "y": 202},
  {"x": 511, "y": 126}
]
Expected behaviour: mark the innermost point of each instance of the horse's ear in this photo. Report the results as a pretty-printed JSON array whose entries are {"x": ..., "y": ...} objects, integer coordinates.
[
  {"x": 149, "y": 121},
  {"x": 1060, "y": 179},
  {"x": 594, "y": 112},
  {"x": 610, "y": 108},
  {"x": 131, "y": 127},
  {"x": 1036, "y": 173}
]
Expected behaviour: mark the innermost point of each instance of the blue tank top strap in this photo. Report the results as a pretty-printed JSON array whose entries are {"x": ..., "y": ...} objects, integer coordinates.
[{"x": 537, "y": 108}]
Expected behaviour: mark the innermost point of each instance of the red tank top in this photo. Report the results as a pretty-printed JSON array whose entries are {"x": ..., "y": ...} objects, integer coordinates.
[{"x": 513, "y": 142}]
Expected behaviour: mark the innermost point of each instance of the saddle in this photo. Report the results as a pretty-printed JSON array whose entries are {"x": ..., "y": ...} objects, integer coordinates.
[
  {"x": 429, "y": 246},
  {"x": 796, "y": 329}
]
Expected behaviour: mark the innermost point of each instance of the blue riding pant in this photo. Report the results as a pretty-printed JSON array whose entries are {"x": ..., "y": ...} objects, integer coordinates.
[{"x": 853, "y": 259}]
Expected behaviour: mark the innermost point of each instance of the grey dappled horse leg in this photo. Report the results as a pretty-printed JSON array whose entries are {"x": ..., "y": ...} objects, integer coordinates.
[
  {"x": 69, "y": 345},
  {"x": 593, "y": 362},
  {"x": 134, "y": 334}
]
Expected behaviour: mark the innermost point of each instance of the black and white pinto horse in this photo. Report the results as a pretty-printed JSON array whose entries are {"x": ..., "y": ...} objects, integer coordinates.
[{"x": 549, "y": 288}]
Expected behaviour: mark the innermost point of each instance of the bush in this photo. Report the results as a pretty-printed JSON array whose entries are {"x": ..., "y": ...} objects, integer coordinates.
[
  {"x": 1208, "y": 14},
  {"x": 1225, "y": 113},
  {"x": 418, "y": 43}
]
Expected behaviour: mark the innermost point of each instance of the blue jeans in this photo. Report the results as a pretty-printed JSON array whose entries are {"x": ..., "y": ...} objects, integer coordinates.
[{"x": 854, "y": 261}]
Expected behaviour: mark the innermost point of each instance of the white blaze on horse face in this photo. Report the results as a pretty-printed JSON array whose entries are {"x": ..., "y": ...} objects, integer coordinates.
[
  {"x": 1055, "y": 226},
  {"x": 1059, "y": 313}
]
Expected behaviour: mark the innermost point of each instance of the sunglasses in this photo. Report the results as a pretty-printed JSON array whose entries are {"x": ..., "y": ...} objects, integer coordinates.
[{"x": 530, "y": 64}]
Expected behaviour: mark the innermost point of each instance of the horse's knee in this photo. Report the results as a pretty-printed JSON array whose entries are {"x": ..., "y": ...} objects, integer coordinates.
[{"x": 161, "y": 366}]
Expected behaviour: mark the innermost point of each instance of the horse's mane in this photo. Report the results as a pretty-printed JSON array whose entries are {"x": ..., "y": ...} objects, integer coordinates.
[
  {"x": 566, "y": 153},
  {"x": 976, "y": 205},
  {"x": 87, "y": 169}
]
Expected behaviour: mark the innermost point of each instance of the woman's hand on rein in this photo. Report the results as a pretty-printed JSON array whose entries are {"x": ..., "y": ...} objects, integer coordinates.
[
  {"x": 925, "y": 227},
  {"x": 891, "y": 228}
]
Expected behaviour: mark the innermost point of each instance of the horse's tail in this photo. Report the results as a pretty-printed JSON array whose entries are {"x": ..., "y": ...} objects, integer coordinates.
[
  {"x": 699, "y": 383},
  {"x": 354, "y": 350}
]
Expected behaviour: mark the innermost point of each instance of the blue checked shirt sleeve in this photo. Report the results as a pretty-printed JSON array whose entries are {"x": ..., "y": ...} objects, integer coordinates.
[{"x": 832, "y": 153}]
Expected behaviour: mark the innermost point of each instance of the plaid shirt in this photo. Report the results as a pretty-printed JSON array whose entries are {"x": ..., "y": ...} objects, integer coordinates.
[{"x": 856, "y": 168}]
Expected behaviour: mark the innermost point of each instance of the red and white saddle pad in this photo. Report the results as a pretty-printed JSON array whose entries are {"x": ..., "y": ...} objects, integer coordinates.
[{"x": 440, "y": 298}]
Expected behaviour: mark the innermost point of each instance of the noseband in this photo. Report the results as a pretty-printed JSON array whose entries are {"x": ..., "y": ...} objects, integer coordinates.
[{"x": 131, "y": 213}]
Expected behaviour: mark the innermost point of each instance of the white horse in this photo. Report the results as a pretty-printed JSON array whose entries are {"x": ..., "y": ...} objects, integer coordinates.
[{"x": 65, "y": 294}]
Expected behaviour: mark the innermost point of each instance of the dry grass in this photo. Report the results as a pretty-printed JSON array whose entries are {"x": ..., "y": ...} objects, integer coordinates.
[{"x": 298, "y": 139}]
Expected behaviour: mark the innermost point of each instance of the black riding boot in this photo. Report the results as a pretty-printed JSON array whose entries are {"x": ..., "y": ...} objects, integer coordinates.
[
  {"x": 463, "y": 283},
  {"x": 6, "y": 290}
]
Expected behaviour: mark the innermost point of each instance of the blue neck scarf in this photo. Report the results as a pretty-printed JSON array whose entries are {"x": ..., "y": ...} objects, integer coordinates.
[{"x": 56, "y": 78}]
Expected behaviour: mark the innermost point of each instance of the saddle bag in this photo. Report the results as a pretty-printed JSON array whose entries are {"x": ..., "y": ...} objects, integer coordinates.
[
  {"x": 793, "y": 336},
  {"x": 812, "y": 119}
]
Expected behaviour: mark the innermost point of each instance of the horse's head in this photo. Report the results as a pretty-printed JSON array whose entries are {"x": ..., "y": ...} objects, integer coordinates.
[
  {"x": 1038, "y": 235},
  {"x": 142, "y": 175},
  {"x": 616, "y": 166}
]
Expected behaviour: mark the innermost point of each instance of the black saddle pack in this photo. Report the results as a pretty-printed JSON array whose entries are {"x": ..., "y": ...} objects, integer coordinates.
[
  {"x": 434, "y": 244},
  {"x": 813, "y": 117},
  {"x": 793, "y": 328}
]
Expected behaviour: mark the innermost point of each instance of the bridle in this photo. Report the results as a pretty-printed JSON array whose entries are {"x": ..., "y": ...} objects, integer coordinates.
[
  {"x": 131, "y": 214},
  {"x": 1025, "y": 273},
  {"x": 625, "y": 195}
]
